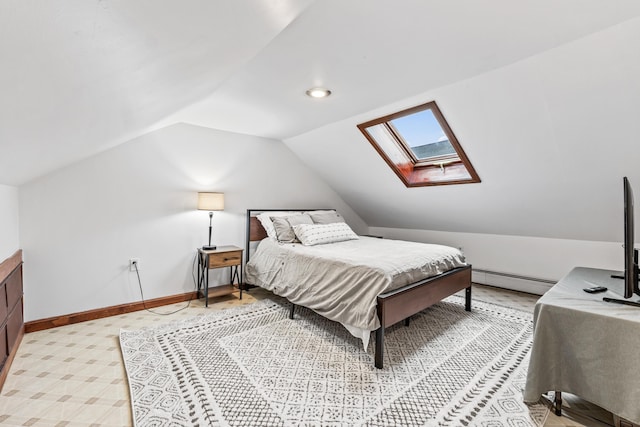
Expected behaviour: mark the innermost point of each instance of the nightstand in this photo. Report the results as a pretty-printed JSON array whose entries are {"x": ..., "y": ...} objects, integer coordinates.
[{"x": 221, "y": 257}]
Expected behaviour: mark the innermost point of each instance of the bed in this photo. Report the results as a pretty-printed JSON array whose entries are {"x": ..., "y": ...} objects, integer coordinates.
[{"x": 366, "y": 283}]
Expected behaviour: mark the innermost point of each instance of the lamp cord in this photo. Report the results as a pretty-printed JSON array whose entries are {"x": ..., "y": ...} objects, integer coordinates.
[{"x": 144, "y": 303}]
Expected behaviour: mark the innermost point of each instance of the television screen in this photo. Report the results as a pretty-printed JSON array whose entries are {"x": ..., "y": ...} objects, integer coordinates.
[{"x": 630, "y": 253}]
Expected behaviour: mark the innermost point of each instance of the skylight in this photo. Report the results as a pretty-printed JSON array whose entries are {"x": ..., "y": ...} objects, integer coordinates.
[{"x": 420, "y": 147}]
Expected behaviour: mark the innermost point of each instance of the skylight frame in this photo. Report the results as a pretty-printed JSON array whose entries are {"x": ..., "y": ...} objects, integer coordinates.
[{"x": 414, "y": 172}]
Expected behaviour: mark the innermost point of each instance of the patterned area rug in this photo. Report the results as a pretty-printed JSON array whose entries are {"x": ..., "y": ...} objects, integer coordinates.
[{"x": 251, "y": 365}]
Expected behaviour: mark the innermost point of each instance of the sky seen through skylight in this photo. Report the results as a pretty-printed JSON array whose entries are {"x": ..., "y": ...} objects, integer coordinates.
[{"x": 420, "y": 128}]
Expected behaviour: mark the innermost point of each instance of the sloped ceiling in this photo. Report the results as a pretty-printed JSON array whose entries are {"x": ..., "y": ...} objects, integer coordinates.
[
  {"x": 372, "y": 53},
  {"x": 550, "y": 136},
  {"x": 530, "y": 89},
  {"x": 80, "y": 76}
]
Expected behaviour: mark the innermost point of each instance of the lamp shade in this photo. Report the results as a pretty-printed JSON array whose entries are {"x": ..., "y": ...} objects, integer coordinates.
[{"x": 210, "y": 201}]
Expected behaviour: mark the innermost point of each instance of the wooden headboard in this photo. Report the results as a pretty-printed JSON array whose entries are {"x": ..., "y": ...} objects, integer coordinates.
[{"x": 255, "y": 230}]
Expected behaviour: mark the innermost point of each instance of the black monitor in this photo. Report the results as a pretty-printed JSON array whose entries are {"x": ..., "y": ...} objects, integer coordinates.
[
  {"x": 630, "y": 274},
  {"x": 630, "y": 252}
]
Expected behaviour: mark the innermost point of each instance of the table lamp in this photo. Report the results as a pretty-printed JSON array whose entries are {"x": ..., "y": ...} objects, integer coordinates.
[{"x": 210, "y": 202}]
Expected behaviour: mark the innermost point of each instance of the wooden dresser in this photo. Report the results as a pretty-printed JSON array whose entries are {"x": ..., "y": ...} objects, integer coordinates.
[{"x": 11, "y": 314}]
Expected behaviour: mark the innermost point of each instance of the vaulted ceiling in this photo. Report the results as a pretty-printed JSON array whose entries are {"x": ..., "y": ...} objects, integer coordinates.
[{"x": 81, "y": 76}]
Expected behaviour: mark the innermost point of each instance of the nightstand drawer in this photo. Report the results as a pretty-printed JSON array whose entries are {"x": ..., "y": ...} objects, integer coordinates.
[
  {"x": 220, "y": 257},
  {"x": 225, "y": 259}
]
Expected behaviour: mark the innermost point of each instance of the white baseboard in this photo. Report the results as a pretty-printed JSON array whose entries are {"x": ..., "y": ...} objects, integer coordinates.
[{"x": 513, "y": 282}]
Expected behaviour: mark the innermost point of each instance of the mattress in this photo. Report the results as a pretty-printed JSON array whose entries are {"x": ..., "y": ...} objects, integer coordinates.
[{"x": 341, "y": 281}]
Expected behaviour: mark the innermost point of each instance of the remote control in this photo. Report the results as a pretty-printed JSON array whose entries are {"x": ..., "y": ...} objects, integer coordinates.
[{"x": 595, "y": 289}]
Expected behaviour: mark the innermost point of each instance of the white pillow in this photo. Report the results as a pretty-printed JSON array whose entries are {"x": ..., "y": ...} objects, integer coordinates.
[
  {"x": 265, "y": 220},
  {"x": 319, "y": 234},
  {"x": 325, "y": 217},
  {"x": 283, "y": 225}
]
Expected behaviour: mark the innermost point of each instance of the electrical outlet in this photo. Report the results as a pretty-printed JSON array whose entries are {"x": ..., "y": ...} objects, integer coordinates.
[{"x": 133, "y": 263}]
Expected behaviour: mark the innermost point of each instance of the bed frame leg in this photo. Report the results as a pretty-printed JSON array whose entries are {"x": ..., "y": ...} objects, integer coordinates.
[
  {"x": 558, "y": 403},
  {"x": 291, "y": 310},
  {"x": 407, "y": 321},
  {"x": 467, "y": 298},
  {"x": 379, "y": 347}
]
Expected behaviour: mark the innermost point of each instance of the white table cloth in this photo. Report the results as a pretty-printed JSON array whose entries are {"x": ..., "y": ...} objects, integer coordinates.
[{"x": 585, "y": 346}]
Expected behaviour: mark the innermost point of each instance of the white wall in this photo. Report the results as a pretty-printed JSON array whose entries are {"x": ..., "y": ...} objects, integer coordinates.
[
  {"x": 532, "y": 257},
  {"x": 550, "y": 136},
  {"x": 9, "y": 235},
  {"x": 80, "y": 225}
]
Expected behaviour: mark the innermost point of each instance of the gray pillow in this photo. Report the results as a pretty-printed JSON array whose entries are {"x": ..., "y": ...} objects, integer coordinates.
[
  {"x": 284, "y": 226},
  {"x": 326, "y": 217}
]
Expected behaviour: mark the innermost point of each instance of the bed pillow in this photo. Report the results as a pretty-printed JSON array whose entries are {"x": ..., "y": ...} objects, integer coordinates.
[
  {"x": 267, "y": 224},
  {"x": 283, "y": 226},
  {"x": 319, "y": 234},
  {"x": 325, "y": 217}
]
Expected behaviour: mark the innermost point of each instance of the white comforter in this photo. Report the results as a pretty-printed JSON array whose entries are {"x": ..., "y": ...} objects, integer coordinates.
[{"x": 341, "y": 281}]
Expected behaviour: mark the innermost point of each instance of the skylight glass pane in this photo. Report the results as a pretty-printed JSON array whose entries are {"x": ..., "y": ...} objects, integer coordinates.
[
  {"x": 424, "y": 135},
  {"x": 420, "y": 147},
  {"x": 387, "y": 143}
]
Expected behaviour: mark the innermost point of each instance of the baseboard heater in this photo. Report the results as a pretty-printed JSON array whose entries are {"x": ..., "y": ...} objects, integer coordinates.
[{"x": 515, "y": 282}]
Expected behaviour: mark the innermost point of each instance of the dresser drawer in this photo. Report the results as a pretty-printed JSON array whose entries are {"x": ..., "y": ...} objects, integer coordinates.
[
  {"x": 4, "y": 349},
  {"x": 14, "y": 287},
  {"x": 4, "y": 307},
  {"x": 14, "y": 326},
  {"x": 225, "y": 259}
]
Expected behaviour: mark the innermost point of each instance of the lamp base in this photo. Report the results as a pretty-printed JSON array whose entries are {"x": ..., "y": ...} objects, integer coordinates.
[{"x": 208, "y": 247}]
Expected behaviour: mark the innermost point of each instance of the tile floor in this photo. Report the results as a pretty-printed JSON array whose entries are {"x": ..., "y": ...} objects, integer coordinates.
[{"x": 74, "y": 376}]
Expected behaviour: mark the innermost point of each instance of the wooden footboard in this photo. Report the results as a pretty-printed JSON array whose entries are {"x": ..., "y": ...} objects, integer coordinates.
[
  {"x": 396, "y": 305},
  {"x": 404, "y": 302}
]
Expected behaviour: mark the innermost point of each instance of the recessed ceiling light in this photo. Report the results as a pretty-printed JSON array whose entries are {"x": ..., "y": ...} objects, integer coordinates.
[{"x": 318, "y": 92}]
